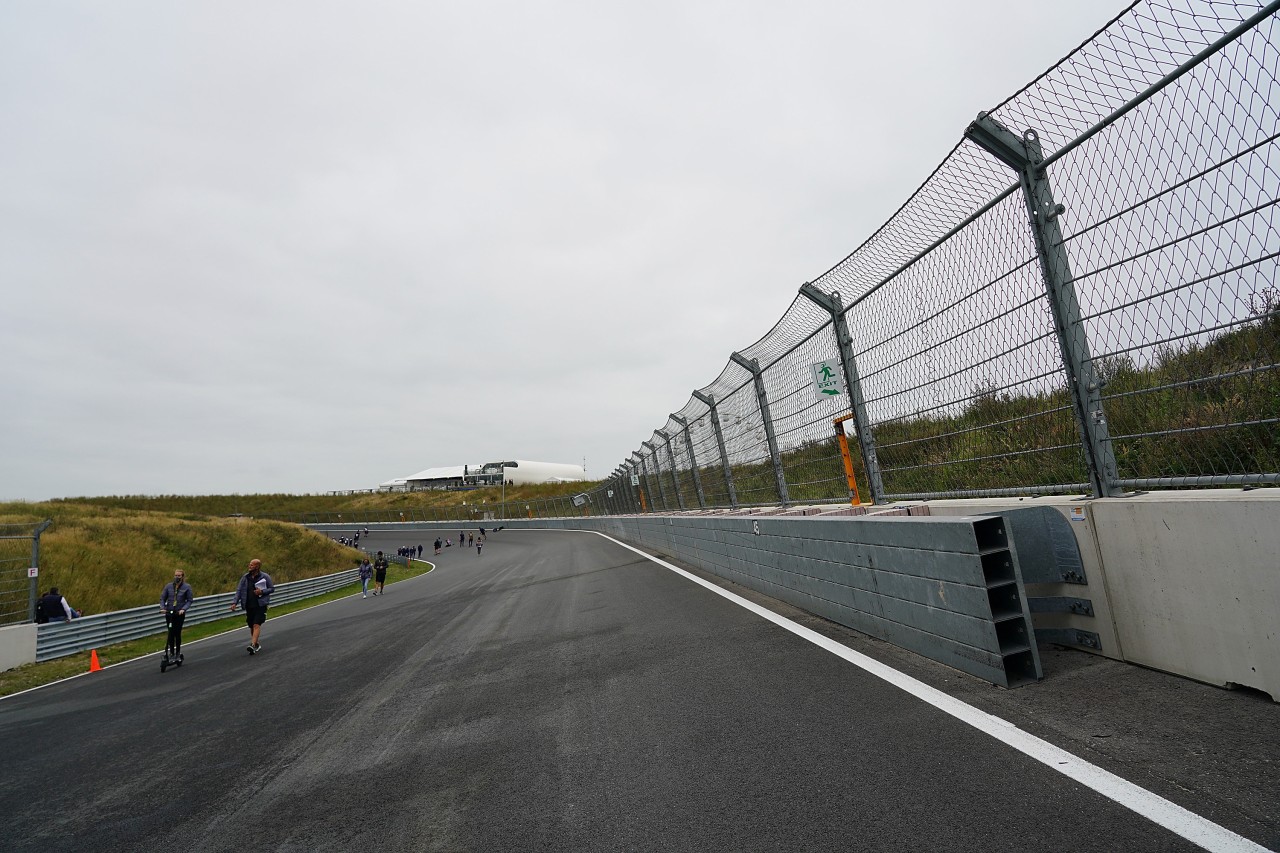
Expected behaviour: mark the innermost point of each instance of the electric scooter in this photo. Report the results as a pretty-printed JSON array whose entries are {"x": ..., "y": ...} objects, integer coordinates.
[{"x": 171, "y": 657}]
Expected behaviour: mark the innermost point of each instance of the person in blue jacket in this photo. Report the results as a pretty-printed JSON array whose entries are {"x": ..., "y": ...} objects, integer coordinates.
[
  {"x": 254, "y": 594},
  {"x": 175, "y": 599},
  {"x": 366, "y": 574}
]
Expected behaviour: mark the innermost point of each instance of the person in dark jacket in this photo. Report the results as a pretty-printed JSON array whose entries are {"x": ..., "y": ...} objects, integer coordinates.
[
  {"x": 366, "y": 573},
  {"x": 254, "y": 594},
  {"x": 175, "y": 599},
  {"x": 55, "y": 607},
  {"x": 379, "y": 573}
]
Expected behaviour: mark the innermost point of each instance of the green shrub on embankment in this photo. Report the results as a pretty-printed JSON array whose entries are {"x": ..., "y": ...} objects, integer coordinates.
[{"x": 105, "y": 559}]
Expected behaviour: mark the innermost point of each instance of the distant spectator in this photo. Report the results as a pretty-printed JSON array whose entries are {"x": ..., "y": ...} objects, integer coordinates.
[
  {"x": 419, "y": 552},
  {"x": 55, "y": 607},
  {"x": 379, "y": 573}
]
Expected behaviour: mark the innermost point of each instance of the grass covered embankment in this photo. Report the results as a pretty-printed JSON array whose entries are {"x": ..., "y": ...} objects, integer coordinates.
[
  {"x": 104, "y": 558},
  {"x": 447, "y": 504}
]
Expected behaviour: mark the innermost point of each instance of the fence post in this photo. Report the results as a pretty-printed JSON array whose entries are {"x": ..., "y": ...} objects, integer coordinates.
[
  {"x": 627, "y": 471},
  {"x": 674, "y": 480},
  {"x": 33, "y": 588},
  {"x": 724, "y": 457},
  {"x": 693, "y": 461},
  {"x": 657, "y": 474},
  {"x": 1023, "y": 154},
  {"x": 762, "y": 399},
  {"x": 645, "y": 480},
  {"x": 857, "y": 402}
]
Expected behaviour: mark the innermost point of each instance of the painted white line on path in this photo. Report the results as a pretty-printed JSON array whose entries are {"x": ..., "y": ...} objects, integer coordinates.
[{"x": 1155, "y": 808}]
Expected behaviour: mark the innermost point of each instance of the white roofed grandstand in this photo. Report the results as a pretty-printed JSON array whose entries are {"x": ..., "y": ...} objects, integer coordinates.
[{"x": 516, "y": 472}]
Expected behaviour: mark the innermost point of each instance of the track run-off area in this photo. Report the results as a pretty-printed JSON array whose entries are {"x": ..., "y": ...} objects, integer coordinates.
[{"x": 563, "y": 691}]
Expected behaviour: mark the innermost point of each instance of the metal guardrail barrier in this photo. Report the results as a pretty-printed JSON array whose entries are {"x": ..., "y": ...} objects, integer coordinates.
[{"x": 59, "y": 639}]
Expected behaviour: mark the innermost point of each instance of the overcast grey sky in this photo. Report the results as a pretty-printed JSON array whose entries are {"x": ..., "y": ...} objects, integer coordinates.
[{"x": 303, "y": 246}]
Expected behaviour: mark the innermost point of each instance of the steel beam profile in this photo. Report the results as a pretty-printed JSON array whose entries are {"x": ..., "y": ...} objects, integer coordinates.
[
  {"x": 844, "y": 343},
  {"x": 33, "y": 591},
  {"x": 1024, "y": 156},
  {"x": 724, "y": 456},
  {"x": 762, "y": 399},
  {"x": 693, "y": 460},
  {"x": 657, "y": 475},
  {"x": 645, "y": 496},
  {"x": 671, "y": 457}
]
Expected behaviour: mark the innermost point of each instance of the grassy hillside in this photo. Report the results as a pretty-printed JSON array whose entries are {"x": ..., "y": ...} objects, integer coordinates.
[
  {"x": 106, "y": 558},
  {"x": 282, "y": 506}
]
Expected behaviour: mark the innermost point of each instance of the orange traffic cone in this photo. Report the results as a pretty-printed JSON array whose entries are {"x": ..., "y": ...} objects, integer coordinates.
[{"x": 94, "y": 666}]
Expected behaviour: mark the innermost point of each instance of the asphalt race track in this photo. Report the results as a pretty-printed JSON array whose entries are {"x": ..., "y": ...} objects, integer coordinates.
[{"x": 558, "y": 692}]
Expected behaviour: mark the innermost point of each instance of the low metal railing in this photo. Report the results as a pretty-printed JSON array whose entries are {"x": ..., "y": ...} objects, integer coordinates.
[{"x": 59, "y": 639}]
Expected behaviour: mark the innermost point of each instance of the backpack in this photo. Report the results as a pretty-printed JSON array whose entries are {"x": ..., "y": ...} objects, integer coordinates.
[{"x": 42, "y": 618}]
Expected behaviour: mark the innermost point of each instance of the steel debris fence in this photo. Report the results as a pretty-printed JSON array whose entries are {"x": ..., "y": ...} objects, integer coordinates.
[
  {"x": 1082, "y": 298},
  {"x": 19, "y": 551}
]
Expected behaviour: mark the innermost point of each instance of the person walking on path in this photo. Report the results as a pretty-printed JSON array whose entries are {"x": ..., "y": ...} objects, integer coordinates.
[
  {"x": 379, "y": 573},
  {"x": 419, "y": 552},
  {"x": 479, "y": 546},
  {"x": 175, "y": 598},
  {"x": 438, "y": 544},
  {"x": 254, "y": 594},
  {"x": 366, "y": 574}
]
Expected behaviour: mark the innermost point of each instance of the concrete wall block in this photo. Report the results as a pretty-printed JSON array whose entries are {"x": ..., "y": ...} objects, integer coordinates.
[{"x": 17, "y": 645}]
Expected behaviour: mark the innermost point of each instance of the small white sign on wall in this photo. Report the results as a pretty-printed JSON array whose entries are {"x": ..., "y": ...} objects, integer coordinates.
[{"x": 1077, "y": 513}]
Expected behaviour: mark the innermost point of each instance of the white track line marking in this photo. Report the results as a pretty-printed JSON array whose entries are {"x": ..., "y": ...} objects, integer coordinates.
[{"x": 1153, "y": 807}]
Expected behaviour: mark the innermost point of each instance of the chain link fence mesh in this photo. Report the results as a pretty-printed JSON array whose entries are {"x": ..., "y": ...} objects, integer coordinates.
[
  {"x": 1160, "y": 142},
  {"x": 1148, "y": 357}
]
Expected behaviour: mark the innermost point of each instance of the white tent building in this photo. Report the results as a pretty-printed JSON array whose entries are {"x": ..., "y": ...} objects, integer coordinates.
[{"x": 518, "y": 472}]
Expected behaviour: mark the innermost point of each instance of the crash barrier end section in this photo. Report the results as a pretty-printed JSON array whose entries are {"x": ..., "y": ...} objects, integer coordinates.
[{"x": 1182, "y": 582}]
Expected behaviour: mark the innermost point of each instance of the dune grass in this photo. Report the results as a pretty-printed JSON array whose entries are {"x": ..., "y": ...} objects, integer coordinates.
[{"x": 104, "y": 558}]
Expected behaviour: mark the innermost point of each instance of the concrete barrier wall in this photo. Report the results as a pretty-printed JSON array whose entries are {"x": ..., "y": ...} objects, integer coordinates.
[{"x": 17, "y": 645}]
